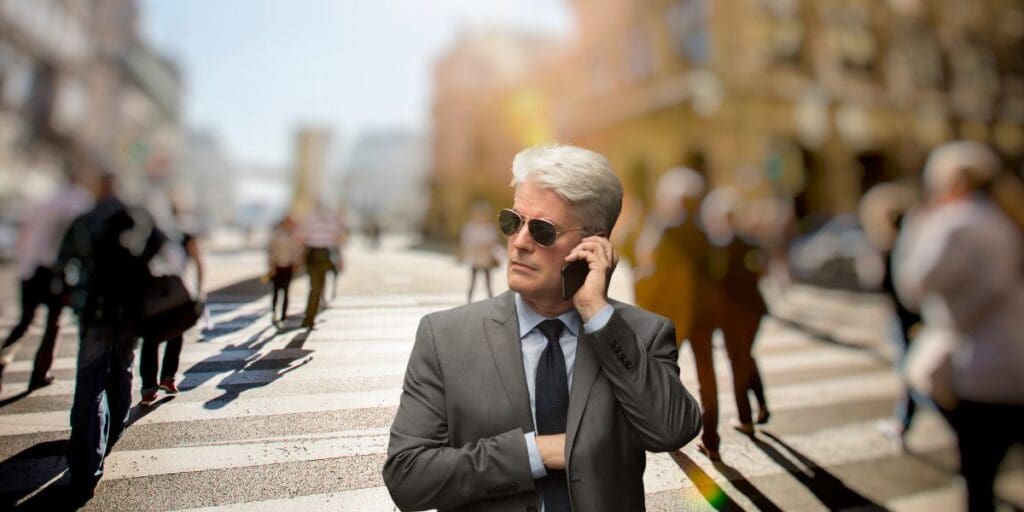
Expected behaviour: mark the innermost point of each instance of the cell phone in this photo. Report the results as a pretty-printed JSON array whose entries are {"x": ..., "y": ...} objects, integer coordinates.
[{"x": 573, "y": 276}]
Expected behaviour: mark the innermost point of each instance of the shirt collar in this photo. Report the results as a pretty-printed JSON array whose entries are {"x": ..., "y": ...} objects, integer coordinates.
[{"x": 529, "y": 319}]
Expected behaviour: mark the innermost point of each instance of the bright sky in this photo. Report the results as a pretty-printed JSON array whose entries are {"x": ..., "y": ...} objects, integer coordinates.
[{"x": 255, "y": 68}]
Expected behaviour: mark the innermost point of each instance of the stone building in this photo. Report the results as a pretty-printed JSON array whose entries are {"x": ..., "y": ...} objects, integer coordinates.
[{"x": 812, "y": 100}]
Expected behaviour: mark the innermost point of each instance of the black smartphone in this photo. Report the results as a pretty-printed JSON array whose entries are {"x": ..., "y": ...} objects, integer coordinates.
[{"x": 573, "y": 276}]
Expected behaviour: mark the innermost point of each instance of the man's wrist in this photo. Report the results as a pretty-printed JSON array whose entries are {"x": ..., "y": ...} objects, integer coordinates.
[{"x": 589, "y": 310}]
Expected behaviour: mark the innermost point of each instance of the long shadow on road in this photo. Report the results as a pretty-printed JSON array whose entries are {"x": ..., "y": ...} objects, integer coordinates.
[
  {"x": 255, "y": 370},
  {"x": 714, "y": 494},
  {"x": 830, "y": 490}
]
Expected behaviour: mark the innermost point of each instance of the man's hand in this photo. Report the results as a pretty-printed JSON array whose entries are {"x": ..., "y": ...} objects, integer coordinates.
[
  {"x": 552, "y": 450},
  {"x": 599, "y": 254}
]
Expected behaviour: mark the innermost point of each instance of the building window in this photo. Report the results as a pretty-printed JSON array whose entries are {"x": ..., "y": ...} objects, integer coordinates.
[
  {"x": 688, "y": 25},
  {"x": 850, "y": 39},
  {"x": 786, "y": 32}
]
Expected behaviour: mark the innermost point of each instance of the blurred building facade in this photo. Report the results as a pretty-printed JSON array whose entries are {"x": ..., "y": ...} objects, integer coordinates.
[
  {"x": 468, "y": 134},
  {"x": 311, "y": 151},
  {"x": 812, "y": 100},
  {"x": 385, "y": 179},
  {"x": 205, "y": 176},
  {"x": 76, "y": 74}
]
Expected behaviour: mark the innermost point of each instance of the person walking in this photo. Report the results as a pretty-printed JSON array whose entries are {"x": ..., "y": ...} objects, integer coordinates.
[
  {"x": 284, "y": 255},
  {"x": 881, "y": 211},
  {"x": 960, "y": 258},
  {"x": 149, "y": 355},
  {"x": 104, "y": 259},
  {"x": 320, "y": 233},
  {"x": 38, "y": 244},
  {"x": 673, "y": 279},
  {"x": 735, "y": 265},
  {"x": 478, "y": 241}
]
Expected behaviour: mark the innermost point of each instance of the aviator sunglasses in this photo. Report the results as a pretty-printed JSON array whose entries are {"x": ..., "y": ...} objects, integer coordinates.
[{"x": 543, "y": 231}]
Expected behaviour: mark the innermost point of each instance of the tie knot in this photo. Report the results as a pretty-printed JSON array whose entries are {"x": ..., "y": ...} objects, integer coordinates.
[{"x": 552, "y": 329}]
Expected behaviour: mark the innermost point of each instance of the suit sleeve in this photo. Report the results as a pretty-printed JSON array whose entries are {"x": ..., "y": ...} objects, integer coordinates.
[
  {"x": 422, "y": 470},
  {"x": 645, "y": 379}
]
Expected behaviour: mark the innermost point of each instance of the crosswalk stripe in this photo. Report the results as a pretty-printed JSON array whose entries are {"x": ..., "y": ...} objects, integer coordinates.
[
  {"x": 370, "y": 499},
  {"x": 876, "y": 384}
]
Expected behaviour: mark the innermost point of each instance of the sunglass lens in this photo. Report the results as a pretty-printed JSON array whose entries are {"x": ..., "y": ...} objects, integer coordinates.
[
  {"x": 509, "y": 222},
  {"x": 543, "y": 232}
]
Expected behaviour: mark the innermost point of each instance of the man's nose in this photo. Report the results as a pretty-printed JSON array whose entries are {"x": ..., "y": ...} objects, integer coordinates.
[{"x": 521, "y": 239}]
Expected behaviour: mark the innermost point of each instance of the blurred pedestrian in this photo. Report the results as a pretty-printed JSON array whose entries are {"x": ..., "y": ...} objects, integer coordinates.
[
  {"x": 338, "y": 256},
  {"x": 104, "y": 259},
  {"x": 736, "y": 263},
  {"x": 320, "y": 233},
  {"x": 960, "y": 259},
  {"x": 881, "y": 211},
  {"x": 479, "y": 242},
  {"x": 38, "y": 243},
  {"x": 673, "y": 279},
  {"x": 284, "y": 255},
  {"x": 372, "y": 229},
  {"x": 172, "y": 347}
]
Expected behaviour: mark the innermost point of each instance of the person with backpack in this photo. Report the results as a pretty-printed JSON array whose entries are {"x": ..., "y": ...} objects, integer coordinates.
[{"x": 104, "y": 259}]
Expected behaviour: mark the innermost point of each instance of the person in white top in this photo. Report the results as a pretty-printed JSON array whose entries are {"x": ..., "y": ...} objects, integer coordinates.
[
  {"x": 38, "y": 244},
  {"x": 320, "y": 232},
  {"x": 479, "y": 240},
  {"x": 960, "y": 259}
]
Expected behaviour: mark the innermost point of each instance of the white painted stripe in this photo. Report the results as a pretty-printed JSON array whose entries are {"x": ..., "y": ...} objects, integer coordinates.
[
  {"x": 343, "y": 351},
  {"x": 28, "y": 423},
  {"x": 828, "y": 447},
  {"x": 880, "y": 384},
  {"x": 128, "y": 464},
  {"x": 371, "y": 499}
]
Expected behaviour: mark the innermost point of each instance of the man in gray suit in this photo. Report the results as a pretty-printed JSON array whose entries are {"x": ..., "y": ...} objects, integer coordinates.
[{"x": 530, "y": 401}]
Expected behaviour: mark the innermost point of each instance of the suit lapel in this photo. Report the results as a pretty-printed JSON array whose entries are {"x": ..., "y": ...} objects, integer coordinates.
[
  {"x": 502, "y": 333},
  {"x": 584, "y": 374}
]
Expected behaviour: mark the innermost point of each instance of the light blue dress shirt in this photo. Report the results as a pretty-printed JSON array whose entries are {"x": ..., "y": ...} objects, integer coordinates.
[{"x": 533, "y": 344}]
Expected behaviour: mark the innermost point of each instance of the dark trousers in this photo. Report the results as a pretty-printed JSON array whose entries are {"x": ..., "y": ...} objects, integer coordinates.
[
  {"x": 282, "y": 280},
  {"x": 740, "y": 332},
  {"x": 700, "y": 341},
  {"x": 148, "y": 361},
  {"x": 473, "y": 271},
  {"x": 318, "y": 262},
  {"x": 103, "y": 396},
  {"x": 35, "y": 292},
  {"x": 985, "y": 433}
]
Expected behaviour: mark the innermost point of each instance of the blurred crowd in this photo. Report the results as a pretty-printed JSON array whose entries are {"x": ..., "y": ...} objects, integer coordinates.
[
  {"x": 122, "y": 267},
  {"x": 950, "y": 251}
]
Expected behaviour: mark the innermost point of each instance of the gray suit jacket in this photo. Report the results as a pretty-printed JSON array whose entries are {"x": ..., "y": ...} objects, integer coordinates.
[{"x": 457, "y": 440}]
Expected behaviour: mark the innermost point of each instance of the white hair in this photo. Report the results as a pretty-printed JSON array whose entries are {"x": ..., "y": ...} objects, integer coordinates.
[
  {"x": 582, "y": 177},
  {"x": 967, "y": 160}
]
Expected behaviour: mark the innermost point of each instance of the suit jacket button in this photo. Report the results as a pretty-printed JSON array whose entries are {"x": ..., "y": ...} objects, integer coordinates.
[
  {"x": 514, "y": 486},
  {"x": 531, "y": 508}
]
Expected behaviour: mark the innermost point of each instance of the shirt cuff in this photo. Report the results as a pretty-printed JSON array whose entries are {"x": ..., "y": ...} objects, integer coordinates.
[
  {"x": 598, "y": 321},
  {"x": 536, "y": 464}
]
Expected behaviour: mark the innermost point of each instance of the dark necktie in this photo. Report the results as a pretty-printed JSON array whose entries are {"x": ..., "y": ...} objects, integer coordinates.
[{"x": 552, "y": 400}]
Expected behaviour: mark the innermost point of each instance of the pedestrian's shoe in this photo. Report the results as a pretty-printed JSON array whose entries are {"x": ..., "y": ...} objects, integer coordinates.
[
  {"x": 763, "y": 416},
  {"x": 148, "y": 397},
  {"x": 167, "y": 385},
  {"x": 41, "y": 383},
  {"x": 744, "y": 428},
  {"x": 712, "y": 454},
  {"x": 893, "y": 431}
]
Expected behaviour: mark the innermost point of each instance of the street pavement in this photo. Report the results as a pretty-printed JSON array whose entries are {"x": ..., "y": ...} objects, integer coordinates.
[{"x": 281, "y": 419}]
